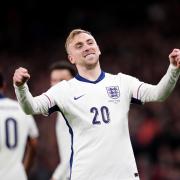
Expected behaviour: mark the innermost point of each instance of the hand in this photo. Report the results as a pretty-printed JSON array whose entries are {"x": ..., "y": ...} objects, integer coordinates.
[
  {"x": 21, "y": 76},
  {"x": 174, "y": 57}
]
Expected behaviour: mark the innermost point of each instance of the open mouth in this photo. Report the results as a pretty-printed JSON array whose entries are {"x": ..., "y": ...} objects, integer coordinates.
[{"x": 88, "y": 54}]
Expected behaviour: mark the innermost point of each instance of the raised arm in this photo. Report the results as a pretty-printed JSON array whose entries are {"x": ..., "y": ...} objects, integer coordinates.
[
  {"x": 30, "y": 104},
  {"x": 162, "y": 90}
]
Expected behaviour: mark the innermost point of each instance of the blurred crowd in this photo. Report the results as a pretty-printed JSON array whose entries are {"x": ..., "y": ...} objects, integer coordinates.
[{"x": 138, "y": 46}]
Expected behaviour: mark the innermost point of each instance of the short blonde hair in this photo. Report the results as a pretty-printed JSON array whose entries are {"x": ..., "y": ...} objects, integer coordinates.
[{"x": 72, "y": 34}]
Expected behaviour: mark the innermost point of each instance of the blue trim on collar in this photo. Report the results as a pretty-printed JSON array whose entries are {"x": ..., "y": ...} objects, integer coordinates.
[
  {"x": 1, "y": 96},
  {"x": 101, "y": 77}
]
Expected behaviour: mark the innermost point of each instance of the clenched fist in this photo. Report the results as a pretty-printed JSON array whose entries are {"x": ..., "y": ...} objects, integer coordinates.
[
  {"x": 174, "y": 57},
  {"x": 21, "y": 76}
]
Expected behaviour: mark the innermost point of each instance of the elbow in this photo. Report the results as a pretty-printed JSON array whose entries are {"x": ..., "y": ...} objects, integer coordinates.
[
  {"x": 161, "y": 98},
  {"x": 27, "y": 111},
  {"x": 164, "y": 96}
]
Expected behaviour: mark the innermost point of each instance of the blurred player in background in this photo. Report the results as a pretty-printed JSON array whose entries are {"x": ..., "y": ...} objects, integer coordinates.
[
  {"x": 18, "y": 138},
  {"x": 95, "y": 105},
  {"x": 59, "y": 71}
]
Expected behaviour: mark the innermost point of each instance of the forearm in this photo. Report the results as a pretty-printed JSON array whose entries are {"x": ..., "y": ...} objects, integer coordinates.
[
  {"x": 163, "y": 89},
  {"x": 30, "y": 104}
]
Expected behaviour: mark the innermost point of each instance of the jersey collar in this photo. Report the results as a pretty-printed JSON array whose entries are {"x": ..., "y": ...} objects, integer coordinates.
[{"x": 101, "y": 77}]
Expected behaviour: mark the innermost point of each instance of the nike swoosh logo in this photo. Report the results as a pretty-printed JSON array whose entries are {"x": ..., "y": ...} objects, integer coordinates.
[{"x": 76, "y": 98}]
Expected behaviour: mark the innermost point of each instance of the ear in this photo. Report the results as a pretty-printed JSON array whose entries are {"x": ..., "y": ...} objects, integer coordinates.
[
  {"x": 71, "y": 59},
  {"x": 99, "y": 51}
]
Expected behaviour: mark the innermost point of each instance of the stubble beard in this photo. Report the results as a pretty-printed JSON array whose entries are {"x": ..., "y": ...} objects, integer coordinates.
[{"x": 91, "y": 65}]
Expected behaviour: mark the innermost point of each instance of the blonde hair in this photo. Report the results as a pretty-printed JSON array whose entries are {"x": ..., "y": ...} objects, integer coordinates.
[{"x": 72, "y": 34}]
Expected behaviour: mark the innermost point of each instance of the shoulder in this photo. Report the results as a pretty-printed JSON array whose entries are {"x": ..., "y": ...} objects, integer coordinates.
[
  {"x": 118, "y": 76},
  {"x": 122, "y": 78},
  {"x": 65, "y": 85},
  {"x": 12, "y": 107},
  {"x": 9, "y": 103},
  {"x": 126, "y": 77},
  {"x": 59, "y": 90}
]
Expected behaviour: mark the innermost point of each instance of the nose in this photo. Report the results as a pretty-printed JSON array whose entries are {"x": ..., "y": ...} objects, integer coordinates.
[{"x": 86, "y": 47}]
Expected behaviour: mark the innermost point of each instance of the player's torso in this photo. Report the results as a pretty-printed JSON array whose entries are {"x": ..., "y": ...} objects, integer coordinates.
[
  {"x": 13, "y": 134},
  {"x": 97, "y": 114}
]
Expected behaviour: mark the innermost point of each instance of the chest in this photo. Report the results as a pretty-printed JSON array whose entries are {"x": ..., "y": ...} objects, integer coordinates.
[{"x": 95, "y": 104}]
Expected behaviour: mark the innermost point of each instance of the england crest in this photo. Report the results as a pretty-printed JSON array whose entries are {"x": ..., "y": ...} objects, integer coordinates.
[{"x": 113, "y": 92}]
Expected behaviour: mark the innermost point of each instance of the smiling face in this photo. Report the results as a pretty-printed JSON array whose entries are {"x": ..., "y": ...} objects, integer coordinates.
[{"x": 83, "y": 50}]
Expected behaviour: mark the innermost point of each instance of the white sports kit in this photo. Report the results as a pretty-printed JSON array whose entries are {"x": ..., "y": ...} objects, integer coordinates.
[
  {"x": 15, "y": 127},
  {"x": 62, "y": 171},
  {"x": 97, "y": 116}
]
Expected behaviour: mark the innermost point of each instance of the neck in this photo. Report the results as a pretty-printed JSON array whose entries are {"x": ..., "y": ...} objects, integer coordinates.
[{"x": 90, "y": 73}]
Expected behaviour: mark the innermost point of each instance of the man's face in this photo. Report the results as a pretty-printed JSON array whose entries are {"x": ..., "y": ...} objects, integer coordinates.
[
  {"x": 59, "y": 75},
  {"x": 83, "y": 50}
]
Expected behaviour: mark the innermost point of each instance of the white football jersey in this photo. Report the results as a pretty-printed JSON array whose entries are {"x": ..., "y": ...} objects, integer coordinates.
[
  {"x": 97, "y": 116},
  {"x": 62, "y": 171},
  {"x": 15, "y": 127}
]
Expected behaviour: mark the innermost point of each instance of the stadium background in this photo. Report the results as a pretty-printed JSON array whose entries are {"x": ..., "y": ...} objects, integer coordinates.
[{"x": 135, "y": 38}]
